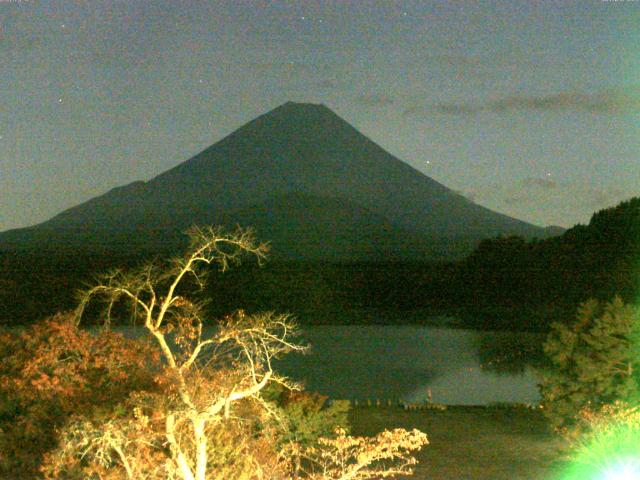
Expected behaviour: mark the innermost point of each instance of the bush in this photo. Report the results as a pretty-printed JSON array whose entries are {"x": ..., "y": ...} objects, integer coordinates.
[
  {"x": 54, "y": 370},
  {"x": 308, "y": 415}
]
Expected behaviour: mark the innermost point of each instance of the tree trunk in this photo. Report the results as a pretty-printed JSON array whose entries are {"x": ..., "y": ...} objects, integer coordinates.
[
  {"x": 201, "y": 448},
  {"x": 176, "y": 451}
]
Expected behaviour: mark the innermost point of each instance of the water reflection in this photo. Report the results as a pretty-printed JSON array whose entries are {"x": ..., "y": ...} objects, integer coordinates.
[
  {"x": 469, "y": 386},
  {"x": 462, "y": 367},
  {"x": 406, "y": 362},
  {"x": 510, "y": 353}
]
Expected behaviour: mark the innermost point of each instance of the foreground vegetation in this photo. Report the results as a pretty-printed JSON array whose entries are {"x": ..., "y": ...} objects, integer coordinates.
[
  {"x": 182, "y": 405},
  {"x": 591, "y": 390},
  {"x": 175, "y": 404},
  {"x": 473, "y": 442}
]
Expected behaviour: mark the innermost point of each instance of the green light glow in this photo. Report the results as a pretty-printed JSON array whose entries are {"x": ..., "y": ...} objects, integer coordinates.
[
  {"x": 615, "y": 468},
  {"x": 623, "y": 470},
  {"x": 611, "y": 451}
]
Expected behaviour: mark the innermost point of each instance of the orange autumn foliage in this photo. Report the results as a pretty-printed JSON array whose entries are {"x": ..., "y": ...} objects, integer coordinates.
[
  {"x": 194, "y": 406},
  {"x": 387, "y": 455},
  {"x": 53, "y": 370}
]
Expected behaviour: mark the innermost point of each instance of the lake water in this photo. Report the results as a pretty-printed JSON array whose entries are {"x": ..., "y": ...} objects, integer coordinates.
[{"x": 457, "y": 366}]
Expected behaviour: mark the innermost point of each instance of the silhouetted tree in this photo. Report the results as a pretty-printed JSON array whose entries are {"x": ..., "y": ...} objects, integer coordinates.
[{"x": 593, "y": 361}]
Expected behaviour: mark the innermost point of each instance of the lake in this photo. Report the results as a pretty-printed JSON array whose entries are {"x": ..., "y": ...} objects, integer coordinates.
[
  {"x": 458, "y": 366},
  {"x": 461, "y": 367}
]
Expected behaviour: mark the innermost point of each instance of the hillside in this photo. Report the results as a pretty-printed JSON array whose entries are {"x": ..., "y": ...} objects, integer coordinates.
[
  {"x": 308, "y": 181},
  {"x": 508, "y": 280}
]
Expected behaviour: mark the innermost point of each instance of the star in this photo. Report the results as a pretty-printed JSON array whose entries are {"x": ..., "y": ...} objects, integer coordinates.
[{"x": 60, "y": 100}]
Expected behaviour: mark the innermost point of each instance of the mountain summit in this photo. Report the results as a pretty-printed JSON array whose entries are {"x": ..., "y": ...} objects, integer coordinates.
[{"x": 309, "y": 182}]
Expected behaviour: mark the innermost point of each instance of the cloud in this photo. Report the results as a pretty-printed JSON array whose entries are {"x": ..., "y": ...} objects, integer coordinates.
[
  {"x": 421, "y": 110},
  {"x": 518, "y": 199},
  {"x": 566, "y": 204},
  {"x": 441, "y": 109},
  {"x": 543, "y": 183},
  {"x": 452, "y": 109},
  {"x": 374, "y": 100},
  {"x": 611, "y": 101}
]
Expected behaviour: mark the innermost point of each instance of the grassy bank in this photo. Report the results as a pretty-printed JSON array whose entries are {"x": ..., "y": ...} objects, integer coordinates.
[{"x": 472, "y": 443}]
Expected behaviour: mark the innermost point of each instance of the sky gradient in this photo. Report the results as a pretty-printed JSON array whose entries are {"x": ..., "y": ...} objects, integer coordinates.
[{"x": 529, "y": 108}]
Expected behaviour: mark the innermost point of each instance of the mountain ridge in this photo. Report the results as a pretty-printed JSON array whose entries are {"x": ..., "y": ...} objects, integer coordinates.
[{"x": 296, "y": 148}]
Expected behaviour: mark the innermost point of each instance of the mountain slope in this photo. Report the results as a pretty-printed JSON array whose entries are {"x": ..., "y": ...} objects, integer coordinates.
[{"x": 301, "y": 150}]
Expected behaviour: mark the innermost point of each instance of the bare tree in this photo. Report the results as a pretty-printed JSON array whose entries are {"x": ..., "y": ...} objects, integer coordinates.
[
  {"x": 208, "y": 374},
  {"x": 200, "y": 422}
]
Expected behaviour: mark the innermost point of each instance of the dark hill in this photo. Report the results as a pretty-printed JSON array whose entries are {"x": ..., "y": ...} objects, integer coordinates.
[
  {"x": 508, "y": 279},
  {"x": 306, "y": 179}
]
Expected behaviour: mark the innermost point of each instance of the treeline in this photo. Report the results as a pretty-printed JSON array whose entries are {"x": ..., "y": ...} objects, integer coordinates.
[
  {"x": 506, "y": 283},
  {"x": 34, "y": 286},
  {"x": 509, "y": 282},
  {"x": 337, "y": 292}
]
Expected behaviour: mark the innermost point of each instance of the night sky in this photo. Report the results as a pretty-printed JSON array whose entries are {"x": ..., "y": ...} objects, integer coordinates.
[{"x": 529, "y": 108}]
